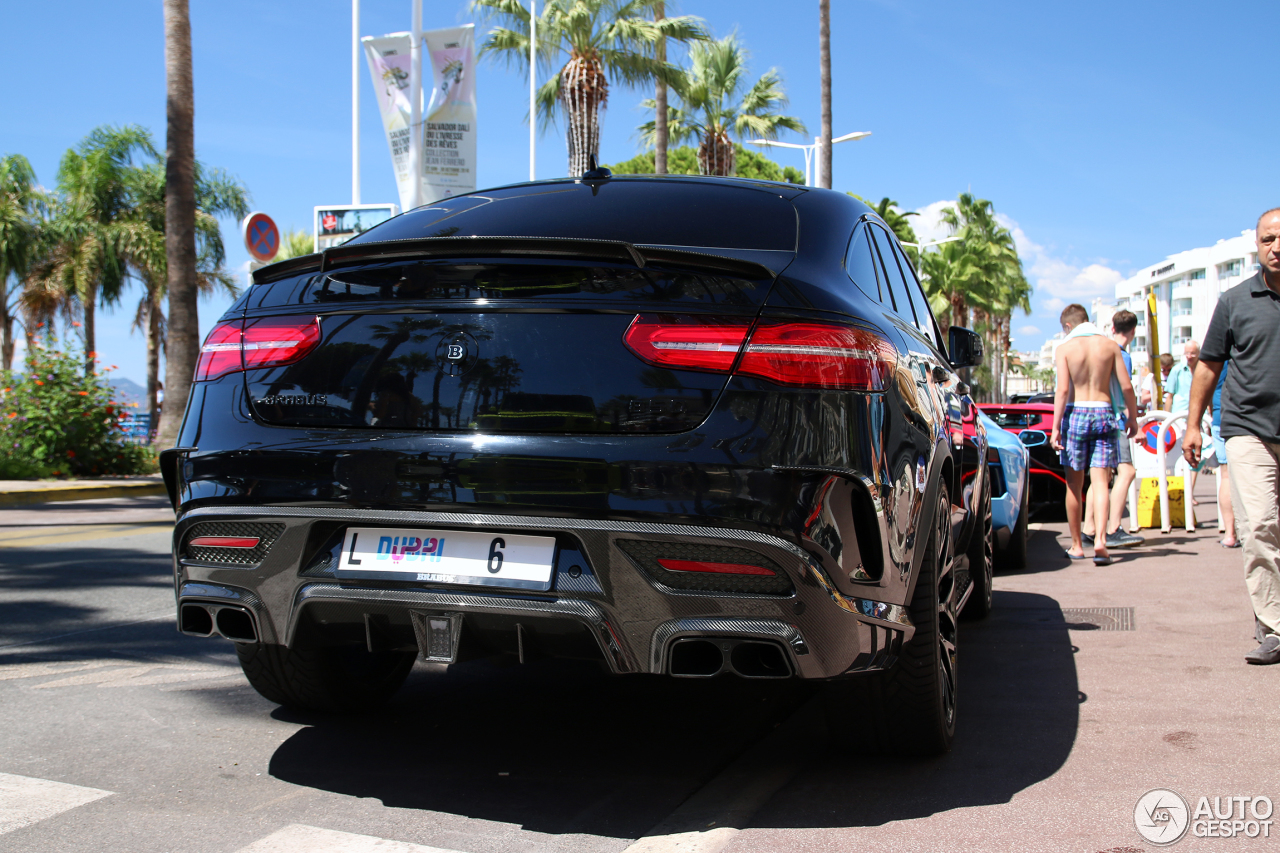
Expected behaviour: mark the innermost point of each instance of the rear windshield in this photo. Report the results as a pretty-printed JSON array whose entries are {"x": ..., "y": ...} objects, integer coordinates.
[
  {"x": 1014, "y": 419},
  {"x": 418, "y": 281},
  {"x": 657, "y": 213}
]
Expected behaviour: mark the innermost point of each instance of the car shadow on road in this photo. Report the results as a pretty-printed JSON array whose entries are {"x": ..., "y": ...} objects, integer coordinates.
[
  {"x": 555, "y": 747},
  {"x": 1017, "y": 719}
]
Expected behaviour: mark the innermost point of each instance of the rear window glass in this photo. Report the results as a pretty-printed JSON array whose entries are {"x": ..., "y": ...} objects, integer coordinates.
[
  {"x": 658, "y": 213},
  {"x": 418, "y": 281},
  {"x": 1014, "y": 419}
]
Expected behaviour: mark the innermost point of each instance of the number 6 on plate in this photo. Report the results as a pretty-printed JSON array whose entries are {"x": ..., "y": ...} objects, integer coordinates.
[{"x": 495, "y": 555}]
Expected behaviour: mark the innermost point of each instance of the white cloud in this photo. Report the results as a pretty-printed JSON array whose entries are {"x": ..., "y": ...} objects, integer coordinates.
[
  {"x": 1055, "y": 278},
  {"x": 1029, "y": 330}
]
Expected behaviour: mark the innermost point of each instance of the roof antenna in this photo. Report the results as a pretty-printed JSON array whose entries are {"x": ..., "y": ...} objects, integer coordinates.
[{"x": 594, "y": 171}]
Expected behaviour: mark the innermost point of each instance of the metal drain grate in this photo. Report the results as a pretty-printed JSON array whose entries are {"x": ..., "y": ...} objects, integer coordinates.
[{"x": 1099, "y": 618}]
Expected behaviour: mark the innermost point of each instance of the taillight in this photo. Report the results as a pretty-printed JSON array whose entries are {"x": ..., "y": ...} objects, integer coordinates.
[
  {"x": 689, "y": 343},
  {"x": 220, "y": 354},
  {"x": 713, "y": 568},
  {"x": 816, "y": 355},
  {"x": 261, "y": 342},
  {"x": 808, "y": 355},
  {"x": 225, "y": 541}
]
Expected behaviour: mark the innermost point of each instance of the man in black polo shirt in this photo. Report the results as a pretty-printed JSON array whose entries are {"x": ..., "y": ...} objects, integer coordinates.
[{"x": 1246, "y": 329}]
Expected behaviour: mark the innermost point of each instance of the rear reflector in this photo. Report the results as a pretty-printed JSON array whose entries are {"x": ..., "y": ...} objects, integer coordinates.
[
  {"x": 261, "y": 342},
  {"x": 225, "y": 541},
  {"x": 713, "y": 568},
  {"x": 807, "y": 355}
]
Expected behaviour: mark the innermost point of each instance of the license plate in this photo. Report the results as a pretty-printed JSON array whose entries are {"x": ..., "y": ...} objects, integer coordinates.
[{"x": 448, "y": 556}]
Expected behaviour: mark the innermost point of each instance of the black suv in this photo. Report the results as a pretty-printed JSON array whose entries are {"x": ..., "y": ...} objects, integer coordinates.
[{"x": 679, "y": 425}]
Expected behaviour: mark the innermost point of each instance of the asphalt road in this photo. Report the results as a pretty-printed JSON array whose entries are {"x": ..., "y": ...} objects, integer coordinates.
[{"x": 117, "y": 733}]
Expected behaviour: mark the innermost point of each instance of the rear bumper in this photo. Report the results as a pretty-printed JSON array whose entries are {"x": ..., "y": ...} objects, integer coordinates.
[{"x": 631, "y": 619}]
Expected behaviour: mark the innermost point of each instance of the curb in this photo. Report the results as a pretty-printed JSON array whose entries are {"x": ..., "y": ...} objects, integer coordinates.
[{"x": 90, "y": 491}]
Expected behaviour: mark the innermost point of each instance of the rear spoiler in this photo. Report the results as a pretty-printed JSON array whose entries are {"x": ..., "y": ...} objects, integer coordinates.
[{"x": 615, "y": 251}]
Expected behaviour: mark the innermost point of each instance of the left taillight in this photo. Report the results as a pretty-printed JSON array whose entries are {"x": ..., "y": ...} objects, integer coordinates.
[{"x": 255, "y": 343}]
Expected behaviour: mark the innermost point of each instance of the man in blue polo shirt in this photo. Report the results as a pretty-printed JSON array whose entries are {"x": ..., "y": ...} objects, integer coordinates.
[{"x": 1246, "y": 329}]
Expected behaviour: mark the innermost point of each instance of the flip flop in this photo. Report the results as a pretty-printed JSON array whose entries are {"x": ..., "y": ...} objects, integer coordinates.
[
  {"x": 1071, "y": 556},
  {"x": 1102, "y": 561},
  {"x": 1225, "y": 545}
]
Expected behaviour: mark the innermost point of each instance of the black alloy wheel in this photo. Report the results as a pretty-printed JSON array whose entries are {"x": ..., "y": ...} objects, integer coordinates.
[
  {"x": 910, "y": 708},
  {"x": 982, "y": 547}
]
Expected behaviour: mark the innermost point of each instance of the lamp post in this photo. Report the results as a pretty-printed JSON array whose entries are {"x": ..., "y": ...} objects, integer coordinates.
[{"x": 809, "y": 150}]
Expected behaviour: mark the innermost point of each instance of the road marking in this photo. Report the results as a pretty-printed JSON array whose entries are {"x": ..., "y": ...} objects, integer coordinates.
[
  {"x": 30, "y": 538},
  {"x": 299, "y": 838},
  {"x": 24, "y": 801},
  {"x": 710, "y": 819}
]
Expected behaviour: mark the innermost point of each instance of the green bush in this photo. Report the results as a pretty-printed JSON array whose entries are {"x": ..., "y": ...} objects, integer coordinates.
[{"x": 57, "y": 422}]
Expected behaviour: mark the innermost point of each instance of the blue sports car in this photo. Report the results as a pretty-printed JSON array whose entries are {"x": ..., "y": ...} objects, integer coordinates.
[{"x": 1007, "y": 463}]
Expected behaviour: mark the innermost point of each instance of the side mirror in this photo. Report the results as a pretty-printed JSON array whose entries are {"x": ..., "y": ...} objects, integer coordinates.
[
  {"x": 965, "y": 347},
  {"x": 1032, "y": 438}
]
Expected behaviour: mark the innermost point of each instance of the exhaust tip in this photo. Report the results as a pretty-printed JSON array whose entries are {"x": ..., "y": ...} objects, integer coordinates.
[
  {"x": 696, "y": 659},
  {"x": 196, "y": 620},
  {"x": 759, "y": 660},
  {"x": 236, "y": 624}
]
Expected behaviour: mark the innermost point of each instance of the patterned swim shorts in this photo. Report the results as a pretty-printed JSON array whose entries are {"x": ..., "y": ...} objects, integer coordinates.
[{"x": 1088, "y": 437}]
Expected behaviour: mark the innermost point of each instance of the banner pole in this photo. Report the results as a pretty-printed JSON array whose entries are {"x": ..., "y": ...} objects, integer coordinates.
[
  {"x": 533, "y": 88},
  {"x": 415, "y": 106},
  {"x": 355, "y": 101}
]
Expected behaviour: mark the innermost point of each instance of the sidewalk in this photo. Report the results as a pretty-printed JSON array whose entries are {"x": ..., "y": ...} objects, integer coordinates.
[{"x": 24, "y": 492}]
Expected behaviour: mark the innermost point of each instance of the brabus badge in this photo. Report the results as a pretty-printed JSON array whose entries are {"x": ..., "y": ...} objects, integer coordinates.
[{"x": 457, "y": 354}]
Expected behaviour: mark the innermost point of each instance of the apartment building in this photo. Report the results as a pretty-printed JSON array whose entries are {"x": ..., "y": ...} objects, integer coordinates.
[{"x": 1186, "y": 286}]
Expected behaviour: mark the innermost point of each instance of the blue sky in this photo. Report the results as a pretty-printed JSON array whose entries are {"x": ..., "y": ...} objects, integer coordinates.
[{"x": 1108, "y": 134}]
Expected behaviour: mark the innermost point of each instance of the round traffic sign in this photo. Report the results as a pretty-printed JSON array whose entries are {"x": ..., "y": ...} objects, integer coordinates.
[{"x": 261, "y": 237}]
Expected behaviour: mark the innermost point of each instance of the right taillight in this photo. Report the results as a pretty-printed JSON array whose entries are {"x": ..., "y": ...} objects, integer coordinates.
[
  {"x": 260, "y": 342},
  {"x": 818, "y": 355},
  {"x": 807, "y": 355}
]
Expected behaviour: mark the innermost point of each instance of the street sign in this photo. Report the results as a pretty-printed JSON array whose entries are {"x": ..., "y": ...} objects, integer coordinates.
[
  {"x": 261, "y": 236},
  {"x": 335, "y": 224}
]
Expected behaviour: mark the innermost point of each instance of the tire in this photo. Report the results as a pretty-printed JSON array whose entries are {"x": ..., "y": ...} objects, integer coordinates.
[
  {"x": 337, "y": 678},
  {"x": 982, "y": 548},
  {"x": 1014, "y": 556},
  {"x": 910, "y": 708}
]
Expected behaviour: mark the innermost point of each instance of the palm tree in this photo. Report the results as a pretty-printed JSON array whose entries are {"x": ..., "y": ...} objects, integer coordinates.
[
  {"x": 603, "y": 42},
  {"x": 295, "y": 244},
  {"x": 183, "y": 340},
  {"x": 94, "y": 227},
  {"x": 20, "y": 233},
  {"x": 716, "y": 104},
  {"x": 217, "y": 194},
  {"x": 661, "y": 135}
]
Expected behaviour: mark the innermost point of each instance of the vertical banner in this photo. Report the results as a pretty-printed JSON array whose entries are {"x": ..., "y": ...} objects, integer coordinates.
[
  {"x": 449, "y": 125},
  {"x": 449, "y": 128},
  {"x": 389, "y": 66}
]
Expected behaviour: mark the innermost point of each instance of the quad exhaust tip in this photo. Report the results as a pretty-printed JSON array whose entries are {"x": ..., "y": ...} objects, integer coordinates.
[
  {"x": 205, "y": 620},
  {"x": 707, "y": 657}
]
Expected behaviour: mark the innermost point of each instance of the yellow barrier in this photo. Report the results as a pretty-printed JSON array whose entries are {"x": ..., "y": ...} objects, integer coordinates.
[{"x": 1149, "y": 503}]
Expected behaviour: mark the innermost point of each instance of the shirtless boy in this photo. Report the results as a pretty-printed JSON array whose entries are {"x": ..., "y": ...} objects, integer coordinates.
[{"x": 1084, "y": 425}]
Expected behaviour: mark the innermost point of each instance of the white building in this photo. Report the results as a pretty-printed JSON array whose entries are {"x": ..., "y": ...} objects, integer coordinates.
[{"x": 1187, "y": 286}]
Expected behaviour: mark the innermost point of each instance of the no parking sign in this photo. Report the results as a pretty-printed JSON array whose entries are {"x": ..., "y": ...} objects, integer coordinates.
[{"x": 261, "y": 237}]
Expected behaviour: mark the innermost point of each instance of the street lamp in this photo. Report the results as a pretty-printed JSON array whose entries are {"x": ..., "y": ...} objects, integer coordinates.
[{"x": 810, "y": 150}]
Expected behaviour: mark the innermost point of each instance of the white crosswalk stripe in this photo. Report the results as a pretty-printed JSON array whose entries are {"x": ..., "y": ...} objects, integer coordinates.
[
  {"x": 24, "y": 801},
  {"x": 298, "y": 838}
]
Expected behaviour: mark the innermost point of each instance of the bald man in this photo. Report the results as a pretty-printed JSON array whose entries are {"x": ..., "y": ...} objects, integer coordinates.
[{"x": 1246, "y": 329}]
